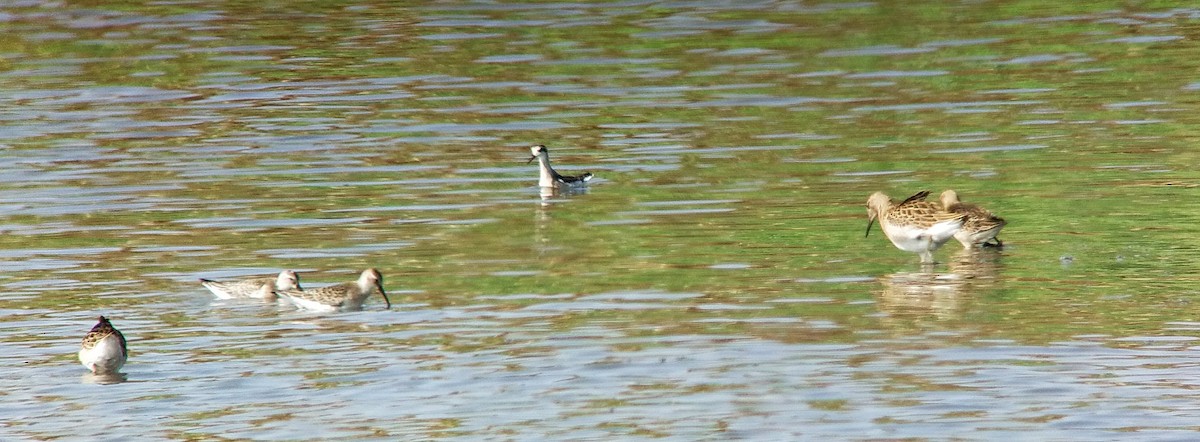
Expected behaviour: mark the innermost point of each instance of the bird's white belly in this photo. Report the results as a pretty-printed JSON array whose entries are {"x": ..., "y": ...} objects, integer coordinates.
[
  {"x": 106, "y": 356},
  {"x": 917, "y": 240}
]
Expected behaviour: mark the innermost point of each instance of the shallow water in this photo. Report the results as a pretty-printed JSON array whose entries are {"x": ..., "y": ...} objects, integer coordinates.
[{"x": 713, "y": 284}]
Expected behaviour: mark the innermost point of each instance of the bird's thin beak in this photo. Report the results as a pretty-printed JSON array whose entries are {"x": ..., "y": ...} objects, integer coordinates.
[
  {"x": 531, "y": 158},
  {"x": 385, "y": 298},
  {"x": 870, "y": 221}
]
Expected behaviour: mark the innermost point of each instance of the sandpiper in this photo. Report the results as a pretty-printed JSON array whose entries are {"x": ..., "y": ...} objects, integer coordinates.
[
  {"x": 914, "y": 225},
  {"x": 981, "y": 226},
  {"x": 348, "y": 296},
  {"x": 548, "y": 177},
  {"x": 261, "y": 288},
  {"x": 103, "y": 350}
]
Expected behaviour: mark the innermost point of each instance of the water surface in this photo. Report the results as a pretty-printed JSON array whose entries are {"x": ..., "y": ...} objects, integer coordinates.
[{"x": 714, "y": 282}]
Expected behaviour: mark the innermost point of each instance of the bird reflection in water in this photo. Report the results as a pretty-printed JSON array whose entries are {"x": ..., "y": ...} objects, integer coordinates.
[{"x": 942, "y": 296}]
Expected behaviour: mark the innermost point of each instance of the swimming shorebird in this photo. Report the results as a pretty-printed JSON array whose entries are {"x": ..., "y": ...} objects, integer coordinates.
[
  {"x": 348, "y": 296},
  {"x": 914, "y": 225},
  {"x": 103, "y": 350},
  {"x": 981, "y": 226},
  {"x": 261, "y": 288},
  {"x": 548, "y": 177}
]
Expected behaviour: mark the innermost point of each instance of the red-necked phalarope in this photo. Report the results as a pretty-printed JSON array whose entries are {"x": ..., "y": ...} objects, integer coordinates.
[{"x": 548, "y": 177}]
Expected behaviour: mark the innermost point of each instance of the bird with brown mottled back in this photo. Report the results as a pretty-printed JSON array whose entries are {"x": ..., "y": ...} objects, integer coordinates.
[
  {"x": 103, "y": 350},
  {"x": 981, "y": 225},
  {"x": 913, "y": 225}
]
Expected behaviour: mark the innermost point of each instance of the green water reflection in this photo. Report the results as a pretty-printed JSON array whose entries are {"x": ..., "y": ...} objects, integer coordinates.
[{"x": 148, "y": 143}]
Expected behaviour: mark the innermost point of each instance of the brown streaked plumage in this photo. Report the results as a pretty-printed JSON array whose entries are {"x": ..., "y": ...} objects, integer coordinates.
[
  {"x": 913, "y": 225},
  {"x": 981, "y": 225},
  {"x": 348, "y": 296},
  {"x": 103, "y": 350}
]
